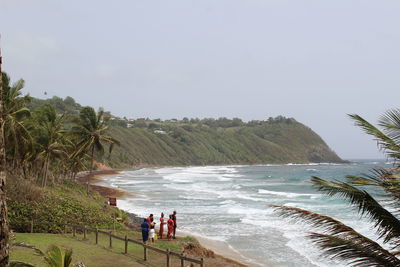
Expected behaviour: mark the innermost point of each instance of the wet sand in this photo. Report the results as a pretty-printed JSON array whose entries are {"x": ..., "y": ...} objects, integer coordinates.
[{"x": 97, "y": 176}]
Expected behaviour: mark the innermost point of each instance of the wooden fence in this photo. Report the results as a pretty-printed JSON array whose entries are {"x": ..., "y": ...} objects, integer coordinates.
[{"x": 85, "y": 230}]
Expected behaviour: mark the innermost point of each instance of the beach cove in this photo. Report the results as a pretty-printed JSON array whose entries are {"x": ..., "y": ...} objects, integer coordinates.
[
  {"x": 215, "y": 253},
  {"x": 227, "y": 207}
]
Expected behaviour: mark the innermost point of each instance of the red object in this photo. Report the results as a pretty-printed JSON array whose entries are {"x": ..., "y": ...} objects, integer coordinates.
[
  {"x": 170, "y": 228},
  {"x": 160, "y": 233},
  {"x": 112, "y": 201}
]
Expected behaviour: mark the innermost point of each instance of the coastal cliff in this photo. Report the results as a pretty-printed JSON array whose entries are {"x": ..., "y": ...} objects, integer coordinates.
[{"x": 265, "y": 142}]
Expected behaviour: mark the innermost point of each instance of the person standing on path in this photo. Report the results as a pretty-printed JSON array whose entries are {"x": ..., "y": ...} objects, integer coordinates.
[
  {"x": 145, "y": 230},
  {"x": 170, "y": 227},
  {"x": 150, "y": 219},
  {"x": 160, "y": 233},
  {"x": 152, "y": 232},
  {"x": 174, "y": 219}
]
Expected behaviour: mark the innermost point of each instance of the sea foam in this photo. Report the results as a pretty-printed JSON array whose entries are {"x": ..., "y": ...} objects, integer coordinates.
[{"x": 232, "y": 204}]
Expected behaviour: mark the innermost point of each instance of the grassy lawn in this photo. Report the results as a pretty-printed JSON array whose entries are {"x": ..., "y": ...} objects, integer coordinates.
[{"x": 95, "y": 255}]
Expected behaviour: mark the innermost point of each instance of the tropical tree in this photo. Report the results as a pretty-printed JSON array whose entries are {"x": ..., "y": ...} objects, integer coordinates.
[
  {"x": 75, "y": 162},
  {"x": 50, "y": 137},
  {"x": 15, "y": 113},
  {"x": 340, "y": 241},
  {"x": 4, "y": 231},
  {"x": 90, "y": 132}
]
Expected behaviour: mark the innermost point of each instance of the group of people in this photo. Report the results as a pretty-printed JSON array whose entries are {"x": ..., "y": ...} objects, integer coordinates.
[{"x": 148, "y": 227}]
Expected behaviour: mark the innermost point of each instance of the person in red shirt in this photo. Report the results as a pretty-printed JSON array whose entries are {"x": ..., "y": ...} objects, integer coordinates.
[
  {"x": 150, "y": 219},
  {"x": 170, "y": 227},
  {"x": 160, "y": 233}
]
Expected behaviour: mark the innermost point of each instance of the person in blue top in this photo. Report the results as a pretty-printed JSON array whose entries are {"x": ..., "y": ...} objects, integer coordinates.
[{"x": 145, "y": 230}]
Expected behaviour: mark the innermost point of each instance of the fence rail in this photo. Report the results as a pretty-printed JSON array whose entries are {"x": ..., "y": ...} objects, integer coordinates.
[{"x": 85, "y": 230}]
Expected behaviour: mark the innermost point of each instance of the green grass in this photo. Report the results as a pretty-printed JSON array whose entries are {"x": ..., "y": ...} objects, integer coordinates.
[
  {"x": 96, "y": 255},
  {"x": 86, "y": 252}
]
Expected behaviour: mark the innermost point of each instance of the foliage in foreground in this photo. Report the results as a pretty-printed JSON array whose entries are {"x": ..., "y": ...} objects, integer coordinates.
[
  {"x": 65, "y": 203},
  {"x": 54, "y": 256},
  {"x": 340, "y": 241}
]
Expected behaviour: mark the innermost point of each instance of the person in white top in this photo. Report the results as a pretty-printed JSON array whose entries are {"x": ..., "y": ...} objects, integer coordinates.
[{"x": 152, "y": 232}]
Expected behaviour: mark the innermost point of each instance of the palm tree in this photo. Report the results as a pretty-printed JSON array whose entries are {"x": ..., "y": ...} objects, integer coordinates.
[
  {"x": 50, "y": 137},
  {"x": 76, "y": 162},
  {"x": 4, "y": 232},
  {"x": 340, "y": 241},
  {"x": 14, "y": 113},
  {"x": 90, "y": 132}
]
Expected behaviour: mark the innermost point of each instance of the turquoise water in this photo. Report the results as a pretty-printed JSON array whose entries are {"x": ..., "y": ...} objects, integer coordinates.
[{"x": 231, "y": 204}]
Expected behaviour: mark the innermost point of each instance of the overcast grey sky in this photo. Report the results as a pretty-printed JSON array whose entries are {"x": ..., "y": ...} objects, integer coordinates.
[{"x": 312, "y": 60}]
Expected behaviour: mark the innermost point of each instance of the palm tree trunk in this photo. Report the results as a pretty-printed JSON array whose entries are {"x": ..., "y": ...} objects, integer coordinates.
[
  {"x": 46, "y": 172},
  {"x": 4, "y": 231},
  {"x": 40, "y": 173},
  {"x": 90, "y": 172}
]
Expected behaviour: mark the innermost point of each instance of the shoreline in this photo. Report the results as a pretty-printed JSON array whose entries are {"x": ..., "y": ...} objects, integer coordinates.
[
  {"x": 222, "y": 249},
  {"x": 95, "y": 177},
  {"x": 216, "y": 253}
]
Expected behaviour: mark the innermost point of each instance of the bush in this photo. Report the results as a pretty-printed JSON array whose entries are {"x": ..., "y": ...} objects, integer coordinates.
[{"x": 66, "y": 202}]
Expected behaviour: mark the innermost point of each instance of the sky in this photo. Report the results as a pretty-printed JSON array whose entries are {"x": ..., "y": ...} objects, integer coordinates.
[{"x": 315, "y": 61}]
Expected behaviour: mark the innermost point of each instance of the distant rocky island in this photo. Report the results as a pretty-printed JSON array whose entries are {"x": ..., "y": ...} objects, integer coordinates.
[{"x": 207, "y": 141}]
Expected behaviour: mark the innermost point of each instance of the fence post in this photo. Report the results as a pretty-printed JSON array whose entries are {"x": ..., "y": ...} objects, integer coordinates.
[
  {"x": 97, "y": 236},
  {"x": 168, "y": 258},
  {"x": 31, "y": 226},
  {"x": 202, "y": 262},
  {"x": 73, "y": 231},
  {"x": 110, "y": 239},
  {"x": 84, "y": 232},
  {"x": 144, "y": 252},
  {"x": 126, "y": 244},
  {"x": 182, "y": 260}
]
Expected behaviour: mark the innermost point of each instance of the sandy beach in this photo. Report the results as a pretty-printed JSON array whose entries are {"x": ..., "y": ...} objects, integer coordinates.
[
  {"x": 96, "y": 176},
  {"x": 215, "y": 253},
  {"x": 223, "y": 249}
]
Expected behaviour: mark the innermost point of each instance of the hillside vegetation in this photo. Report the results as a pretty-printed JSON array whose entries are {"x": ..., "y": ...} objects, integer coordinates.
[
  {"x": 198, "y": 144},
  {"x": 65, "y": 202},
  {"x": 206, "y": 141}
]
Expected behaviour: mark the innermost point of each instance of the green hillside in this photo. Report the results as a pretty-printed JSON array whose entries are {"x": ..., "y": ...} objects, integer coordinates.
[
  {"x": 206, "y": 141},
  {"x": 277, "y": 141}
]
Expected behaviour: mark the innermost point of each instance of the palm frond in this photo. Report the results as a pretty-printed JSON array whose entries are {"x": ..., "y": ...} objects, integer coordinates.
[
  {"x": 387, "y": 179},
  {"x": 388, "y": 226},
  {"x": 390, "y": 121},
  {"x": 325, "y": 223},
  {"x": 68, "y": 258},
  {"x": 384, "y": 142},
  {"x": 357, "y": 252},
  {"x": 339, "y": 239}
]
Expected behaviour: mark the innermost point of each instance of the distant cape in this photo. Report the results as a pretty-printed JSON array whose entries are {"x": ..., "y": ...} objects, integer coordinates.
[{"x": 175, "y": 143}]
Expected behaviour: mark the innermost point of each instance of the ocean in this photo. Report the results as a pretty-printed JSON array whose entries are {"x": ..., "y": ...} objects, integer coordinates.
[{"x": 231, "y": 204}]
